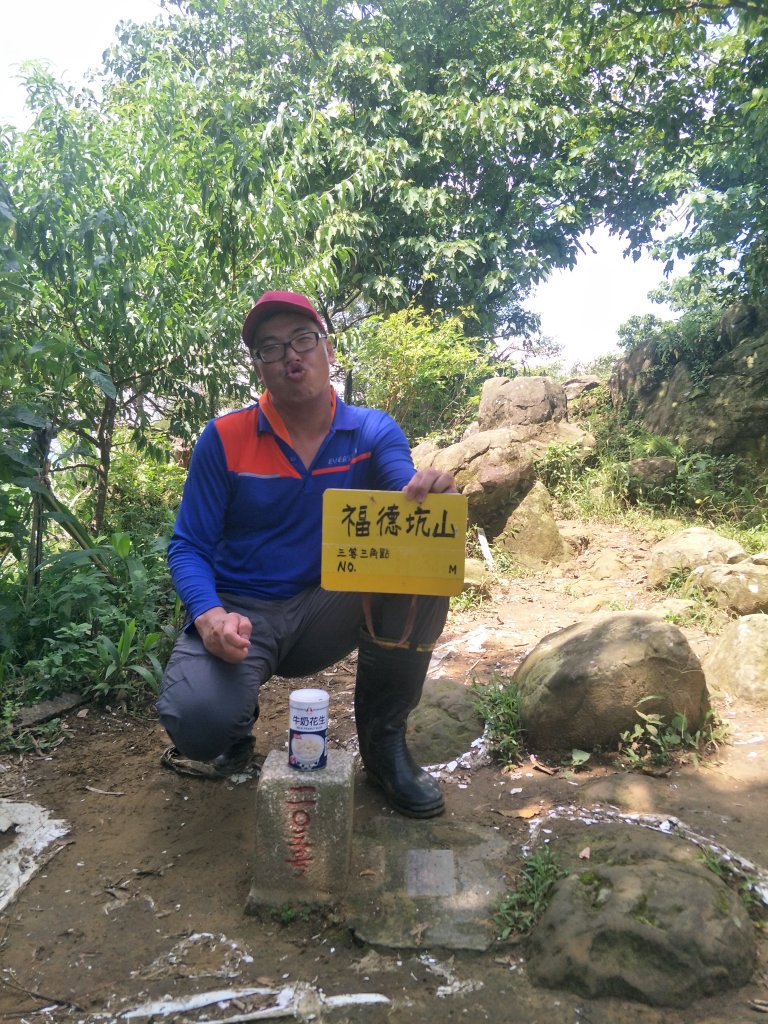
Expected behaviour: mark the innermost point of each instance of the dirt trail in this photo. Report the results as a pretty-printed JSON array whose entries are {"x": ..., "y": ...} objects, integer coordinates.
[{"x": 144, "y": 898}]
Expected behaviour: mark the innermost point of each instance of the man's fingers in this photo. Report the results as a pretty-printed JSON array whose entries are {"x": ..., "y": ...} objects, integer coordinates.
[
  {"x": 245, "y": 627},
  {"x": 237, "y": 631},
  {"x": 429, "y": 481}
]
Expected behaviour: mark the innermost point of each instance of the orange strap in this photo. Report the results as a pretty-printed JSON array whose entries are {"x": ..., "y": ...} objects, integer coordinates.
[{"x": 410, "y": 619}]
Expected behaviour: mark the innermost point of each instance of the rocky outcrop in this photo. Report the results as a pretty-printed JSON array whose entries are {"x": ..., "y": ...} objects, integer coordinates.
[
  {"x": 494, "y": 466},
  {"x": 521, "y": 401},
  {"x": 581, "y": 687},
  {"x": 643, "y": 919},
  {"x": 737, "y": 664},
  {"x": 724, "y": 412}
]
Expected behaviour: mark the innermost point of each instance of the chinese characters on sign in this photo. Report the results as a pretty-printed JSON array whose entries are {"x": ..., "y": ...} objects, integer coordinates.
[{"x": 379, "y": 541}]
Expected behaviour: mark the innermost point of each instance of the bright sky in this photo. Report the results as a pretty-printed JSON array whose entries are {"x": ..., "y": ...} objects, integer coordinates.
[{"x": 581, "y": 308}]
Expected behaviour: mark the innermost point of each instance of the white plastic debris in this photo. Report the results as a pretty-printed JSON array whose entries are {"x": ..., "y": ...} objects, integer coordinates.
[
  {"x": 301, "y": 1002},
  {"x": 755, "y": 877},
  {"x": 34, "y": 832}
]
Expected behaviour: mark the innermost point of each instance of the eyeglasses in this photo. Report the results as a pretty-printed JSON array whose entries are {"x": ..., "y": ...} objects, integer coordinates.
[{"x": 274, "y": 351}]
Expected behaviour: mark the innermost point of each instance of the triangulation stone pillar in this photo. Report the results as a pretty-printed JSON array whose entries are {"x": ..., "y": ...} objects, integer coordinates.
[{"x": 303, "y": 832}]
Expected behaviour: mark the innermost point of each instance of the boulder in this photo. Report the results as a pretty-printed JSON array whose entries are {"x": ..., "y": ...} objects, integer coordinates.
[
  {"x": 651, "y": 473},
  {"x": 643, "y": 919},
  {"x": 446, "y": 722},
  {"x": 688, "y": 550},
  {"x": 737, "y": 664},
  {"x": 578, "y": 386},
  {"x": 530, "y": 534},
  {"x": 424, "y": 452},
  {"x": 580, "y": 687},
  {"x": 741, "y": 588},
  {"x": 495, "y": 469},
  {"x": 521, "y": 401}
]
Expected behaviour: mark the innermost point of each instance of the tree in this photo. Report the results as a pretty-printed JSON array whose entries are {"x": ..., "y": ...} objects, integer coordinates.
[
  {"x": 421, "y": 369},
  {"x": 451, "y": 153},
  {"x": 720, "y": 136}
]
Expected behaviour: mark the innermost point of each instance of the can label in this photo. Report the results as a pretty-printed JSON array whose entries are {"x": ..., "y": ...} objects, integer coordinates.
[{"x": 308, "y": 732}]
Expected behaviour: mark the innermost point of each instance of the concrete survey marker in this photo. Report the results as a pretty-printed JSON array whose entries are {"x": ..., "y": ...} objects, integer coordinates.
[
  {"x": 303, "y": 832},
  {"x": 425, "y": 883}
]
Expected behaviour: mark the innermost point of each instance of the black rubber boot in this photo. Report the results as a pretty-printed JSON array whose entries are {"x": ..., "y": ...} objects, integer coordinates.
[{"x": 388, "y": 687}]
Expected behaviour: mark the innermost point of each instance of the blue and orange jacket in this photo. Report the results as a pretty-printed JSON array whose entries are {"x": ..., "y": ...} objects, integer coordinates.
[{"x": 250, "y": 520}]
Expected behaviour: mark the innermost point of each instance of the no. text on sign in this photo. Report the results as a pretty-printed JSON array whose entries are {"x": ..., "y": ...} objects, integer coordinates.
[{"x": 381, "y": 542}]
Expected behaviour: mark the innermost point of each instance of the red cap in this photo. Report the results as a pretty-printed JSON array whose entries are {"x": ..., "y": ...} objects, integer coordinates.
[{"x": 278, "y": 302}]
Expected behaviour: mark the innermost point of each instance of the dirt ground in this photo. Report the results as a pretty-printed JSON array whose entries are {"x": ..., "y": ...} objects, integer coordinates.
[{"x": 143, "y": 900}]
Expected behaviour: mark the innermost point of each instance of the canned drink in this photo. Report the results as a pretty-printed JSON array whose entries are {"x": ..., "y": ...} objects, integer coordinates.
[{"x": 308, "y": 723}]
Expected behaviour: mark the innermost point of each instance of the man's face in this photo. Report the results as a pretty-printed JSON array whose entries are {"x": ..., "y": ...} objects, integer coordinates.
[{"x": 293, "y": 376}]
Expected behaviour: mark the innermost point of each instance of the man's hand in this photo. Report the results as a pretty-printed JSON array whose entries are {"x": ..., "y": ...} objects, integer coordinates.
[
  {"x": 225, "y": 634},
  {"x": 429, "y": 481}
]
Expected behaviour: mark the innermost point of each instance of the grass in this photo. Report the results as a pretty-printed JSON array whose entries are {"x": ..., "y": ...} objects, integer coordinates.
[
  {"x": 518, "y": 911},
  {"x": 725, "y": 493},
  {"x": 498, "y": 704}
]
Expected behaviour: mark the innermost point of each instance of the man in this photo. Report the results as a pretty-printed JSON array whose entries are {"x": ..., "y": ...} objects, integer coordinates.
[{"x": 245, "y": 560}]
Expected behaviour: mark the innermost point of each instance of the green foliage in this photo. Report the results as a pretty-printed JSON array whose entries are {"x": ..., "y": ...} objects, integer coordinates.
[
  {"x": 654, "y": 742},
  {"x": 518, "y": 911},
  {"x": 102, "y": 617},
  {"x": 420, "y": 368},
  {"x": 561, "y": 467},
  {"x": 600, "y": 366},
  {"x": 695, "y": 339},
  {"x": 498, "y": 704},
  {"x": 725, "y": 491},
  {"x": 703, "y": 612},
  {"x": 725, "y": 214},
  {"x": 470, "y": 599},
  {"x": 39, "y": 738},
  {"x": 90, "y": 633},
  {"x": 121, "y": 660}
]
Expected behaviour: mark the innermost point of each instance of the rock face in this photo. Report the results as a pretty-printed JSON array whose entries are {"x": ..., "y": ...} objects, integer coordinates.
[
  {"x": 689, "y": 549},
  {"x": 737, "y": 664},
  {"x": 725, "y": 412},
  {"x": 642, "y": 919},
  {"x": 530, "y": 534},
  {"x": 580, "y": 687}
]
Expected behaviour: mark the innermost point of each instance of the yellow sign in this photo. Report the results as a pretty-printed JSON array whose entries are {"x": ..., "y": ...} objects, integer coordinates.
[{"x": 380, "y": 542}]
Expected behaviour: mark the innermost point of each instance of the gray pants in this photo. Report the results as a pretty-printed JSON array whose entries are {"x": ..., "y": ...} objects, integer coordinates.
[{"x": 207, "y": 704}]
